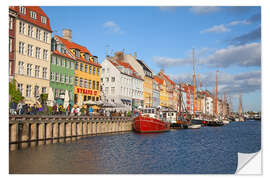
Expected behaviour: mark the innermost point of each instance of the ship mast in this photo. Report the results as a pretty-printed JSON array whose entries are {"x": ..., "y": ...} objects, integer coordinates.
[
  {"x": 216, "y": 93},
  {"x": 194, "y": 86},
  {"x": 240, "y": 110}
]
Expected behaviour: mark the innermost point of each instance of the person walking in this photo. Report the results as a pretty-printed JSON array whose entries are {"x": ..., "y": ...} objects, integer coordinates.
[
  {"x": 78, "y": 111},
  {"x": 90, "y": 111}
]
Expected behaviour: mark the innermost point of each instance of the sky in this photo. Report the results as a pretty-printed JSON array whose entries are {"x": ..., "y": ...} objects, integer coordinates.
[{"x": 224, "y": 39}]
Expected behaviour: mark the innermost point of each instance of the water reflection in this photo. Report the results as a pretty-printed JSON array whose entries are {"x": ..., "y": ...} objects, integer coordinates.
[{"x": 206, "y": 150}]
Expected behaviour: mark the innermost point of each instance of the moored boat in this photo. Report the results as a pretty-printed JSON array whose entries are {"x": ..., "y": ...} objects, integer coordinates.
[
  {"x": 150, "y": 123},
  {"x": 194, "y": 126}
]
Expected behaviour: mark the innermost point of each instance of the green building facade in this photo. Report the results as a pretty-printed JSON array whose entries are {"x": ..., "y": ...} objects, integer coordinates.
[{"x": 61, "y": 72}]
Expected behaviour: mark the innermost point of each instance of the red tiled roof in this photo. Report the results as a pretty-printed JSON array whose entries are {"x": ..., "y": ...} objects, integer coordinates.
[
  {"x": 159, "y": 80},
  {"x": 126, "y": 65},
  {"x": 61, "y": 54},
  {"x": 168, "y": 79},
  {"x": 71, "y": 45},
  {"x": 28, "y": 18}
]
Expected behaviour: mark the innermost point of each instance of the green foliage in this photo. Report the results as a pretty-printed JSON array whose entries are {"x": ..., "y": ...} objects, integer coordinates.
[
  {"x": 43, "y": 98},
  {"x": 14, "y": 94}
]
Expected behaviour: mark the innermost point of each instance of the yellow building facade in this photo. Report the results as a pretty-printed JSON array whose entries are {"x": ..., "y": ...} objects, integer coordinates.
[
  {"x": 164, "y": 96},
  {"x": 87, "y": 72},
  {"x": 148, "y": 91},
  {"x": 33, "y": 45}
]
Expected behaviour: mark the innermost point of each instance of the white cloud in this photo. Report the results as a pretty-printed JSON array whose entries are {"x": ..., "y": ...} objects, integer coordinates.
[
  {"x": 111, "y": 26},
  {"x": 234, "y": 23},
  {"x": 216, "y": 29},
  {"x": 204, "y": 9},
  {"x": 244, "y": 82},
  {"x": 247, "y": 55},
  {"x": 243, "y": 55}
]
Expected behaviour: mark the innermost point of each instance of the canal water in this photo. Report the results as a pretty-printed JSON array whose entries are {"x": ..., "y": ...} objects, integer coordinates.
[{"x": 209, "y": 150}]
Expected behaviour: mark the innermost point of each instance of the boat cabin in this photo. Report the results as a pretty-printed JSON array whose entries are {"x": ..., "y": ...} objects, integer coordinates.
[{"x": 170, "y": 116}]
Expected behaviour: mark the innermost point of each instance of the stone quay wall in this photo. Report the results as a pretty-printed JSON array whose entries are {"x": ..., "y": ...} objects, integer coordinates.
[{"x": 26, "y": 128}]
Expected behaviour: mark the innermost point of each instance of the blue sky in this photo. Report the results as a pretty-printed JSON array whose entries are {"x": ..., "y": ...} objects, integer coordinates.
[{"x": 227, "y": 39}]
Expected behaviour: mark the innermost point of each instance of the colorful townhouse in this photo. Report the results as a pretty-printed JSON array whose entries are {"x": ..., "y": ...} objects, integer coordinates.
[
  {"x": 61, "y": 72},
  {"x": 86, "y": 71},
  {"x": 163, "y": 98},
  {"x": 32, "y": 57},
  {"x": 147, "y": 85},
  {"x": 156, "y": 94},
  {"x": 121, "y": 84}
]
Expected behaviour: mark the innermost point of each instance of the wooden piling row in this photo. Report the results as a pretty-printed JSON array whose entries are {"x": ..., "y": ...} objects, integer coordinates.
[{"x": 24, "y": 129}]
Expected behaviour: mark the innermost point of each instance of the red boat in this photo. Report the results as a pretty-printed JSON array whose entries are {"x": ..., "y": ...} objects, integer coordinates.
[{"x": 149, "y": 123}]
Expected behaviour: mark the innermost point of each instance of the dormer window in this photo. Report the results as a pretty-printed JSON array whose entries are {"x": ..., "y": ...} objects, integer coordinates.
[
  {"x": 23, "y": 10},
  {"x": 77, "y": 53},
  {"x": 43, "y": 20},
  {"x": 33, "y": 15},
  {"x": 95, "y": 59},
  {"x": 86, "y": 56}
]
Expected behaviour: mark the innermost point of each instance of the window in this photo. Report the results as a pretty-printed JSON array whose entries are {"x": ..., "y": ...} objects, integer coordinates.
[
  {"x": 106, "y": 90},
  {"x": 62, "y": 78},
  {"x": 29, "y": 69},
  {"x": 33, "y": 15},
  {"x": 10, "y": 44},
  {"x": 94, "y": 84},
  {"x": 76, "y": 81},
  {"x": 94, "y": 70},
  {"x": 11, "y": 20},
  {"x": 36, "y": 91},
  {"x": 53, "y": 60},
  {"x": 44, "y": 73},
  {"x": 45, "y": 36},
  {"x": 81, "y": 67},
  {"x": 21, "y": 47},
  {"x": 107, "y": 79},
  {"x": 93, "y": 98},
  {"x": 38, "y": 34},
  {"x": 98, "y": 71},
  {"x": 21, "y": 27},
  {"x": 30, "y": 50},
  {"x": 43, "y": 90},
  {"x": 86, "y": 56},
  {"x": 21, "y": 68},
  {"x": 97, "y": 85},
  {"x": 43, "y": 20},
  {"x": 90, "y": 69},
  {"x": 62, "y": 62},
  {"x": 57, "y": 77},
  {"x": 89, "y": 84},
  {"x": 66, "y": 79},
  {"x": 56, "y": 92},
  {"x": 66, "y": 63},
  {"x": 97, "y": 98},
  {"x": 103, "y": 70},
  {"x": 37, "y": 52},
  {"x": 81, "y": 82},
  {"x": 37, "y": 71},
  {"x": 70, "y": 80},
  {"x": 85, "y": 68},
  {"x": 23, "y": 10},
  {"x": 20, "y": 87},
  {"x": 30, "y": 30},
  {"x": 45, "y": 54},
  {"x": 52, "y": 76},
  {"x": 76, "y": 65},
  {"x": 77, "y": 53},
  {"x": 85, "y": 83},
  {"x": 71, "y": 65},
  {"x": 28, "y": 90},
  {"x": 113, "y": 79},
  {"x": 57, "y": 61}
]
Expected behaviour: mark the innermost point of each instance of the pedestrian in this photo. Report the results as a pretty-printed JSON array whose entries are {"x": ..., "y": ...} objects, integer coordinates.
[
  {"x": 78, "y": 111},
  {"x": 90, "y": 111},
  {"x": 20, "y": 108}
]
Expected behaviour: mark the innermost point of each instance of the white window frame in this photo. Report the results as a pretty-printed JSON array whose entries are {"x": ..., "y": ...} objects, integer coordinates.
[
  {"x": 28, "y": 90},
  {"x": 33, "y": 14},
  {"x": 44, "y": 73},
  {"x": 30, "y": 50}
]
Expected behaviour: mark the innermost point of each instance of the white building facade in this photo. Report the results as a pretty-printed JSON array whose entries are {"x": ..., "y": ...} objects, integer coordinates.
[{"x": 121, "y": 85}]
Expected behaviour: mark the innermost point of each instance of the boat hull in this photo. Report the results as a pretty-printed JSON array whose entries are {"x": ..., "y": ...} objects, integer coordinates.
[{"x": 149, "y": 125}]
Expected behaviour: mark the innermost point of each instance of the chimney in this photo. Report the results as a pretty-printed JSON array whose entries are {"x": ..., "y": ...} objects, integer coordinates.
[
  {"x": 162, "y": 70},
  {"x": 135, "y": 55},
  {"x": 67, "y": 34},
  {"x": 119, "y": 55}
]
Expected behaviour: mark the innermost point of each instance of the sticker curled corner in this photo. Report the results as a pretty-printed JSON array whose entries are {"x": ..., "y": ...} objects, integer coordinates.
[{"x": 249, "y": 163}]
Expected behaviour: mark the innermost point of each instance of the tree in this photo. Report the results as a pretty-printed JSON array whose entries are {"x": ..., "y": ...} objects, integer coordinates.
[
  {"x": 14, "y": 94},
  {"x": 43, "y": 98}
]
